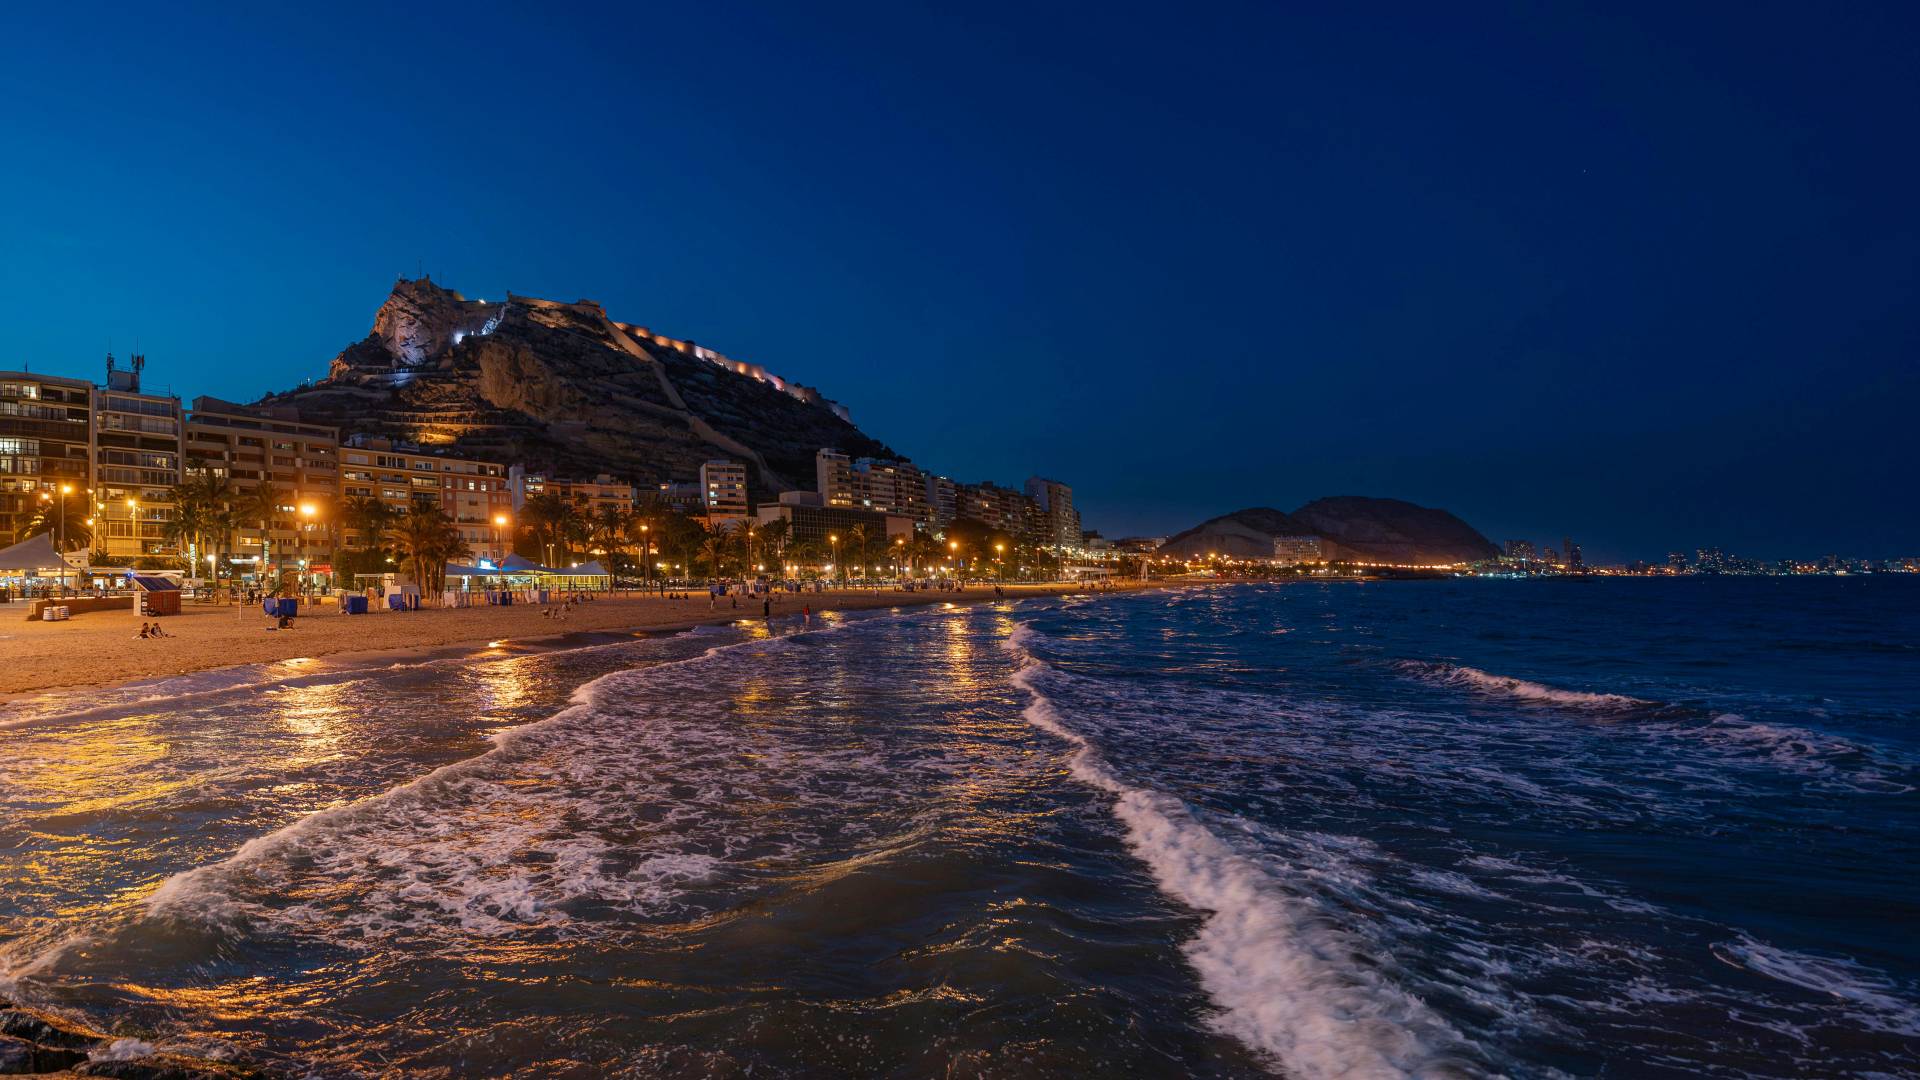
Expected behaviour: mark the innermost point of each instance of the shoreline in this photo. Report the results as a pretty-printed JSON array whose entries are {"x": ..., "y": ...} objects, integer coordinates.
[{"x": 228, "y": 638}]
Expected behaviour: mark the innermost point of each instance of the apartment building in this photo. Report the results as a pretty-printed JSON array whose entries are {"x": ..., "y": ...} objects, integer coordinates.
[
  {"x": 833, "y": 478},
  {"x": 137, "y": 460},
  {"x": 943, "y": 501},
  {"x": 254, "y": 447},
  {"x": 474, "y": 494},
  {"x": 998, "y": 508},
  {"x": 723, "y": 485},
  {"x": 46, "y": 448},
  {"x": 1059, "y": 522},
  {"x": 591, "y": 495}
]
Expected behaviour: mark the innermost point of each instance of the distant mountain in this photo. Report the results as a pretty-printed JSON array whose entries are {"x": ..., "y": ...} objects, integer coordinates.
[
  {"x": 1350, "y": 527},
  {"x": 564, "y": 389},
  {"x": 1243, "y": 534}
]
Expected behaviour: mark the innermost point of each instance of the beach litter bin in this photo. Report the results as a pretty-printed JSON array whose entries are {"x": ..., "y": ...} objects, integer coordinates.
[
  {"x": 506, "y": 599},
  {"x": 353, "y": 605},
  {"x": 396, "y": 602}
]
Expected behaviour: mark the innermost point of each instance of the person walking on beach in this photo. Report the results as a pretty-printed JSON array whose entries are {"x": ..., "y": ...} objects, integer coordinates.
[
  {"x": 766, "y": 609},
  {"x": 806, "y": 614}
]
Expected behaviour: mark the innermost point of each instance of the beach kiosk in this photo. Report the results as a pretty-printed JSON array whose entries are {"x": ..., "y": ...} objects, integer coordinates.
[{"x": 157, "y": 595}]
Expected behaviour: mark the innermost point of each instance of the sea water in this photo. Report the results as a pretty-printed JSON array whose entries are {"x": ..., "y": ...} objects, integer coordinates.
[{"x": 1624, "y": 828}]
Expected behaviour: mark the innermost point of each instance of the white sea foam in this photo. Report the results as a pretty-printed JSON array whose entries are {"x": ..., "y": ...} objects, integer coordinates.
[
  {"x": 633, "y": 804},
  {"x": 1290, "y": 982},
  {"x": 1874, "y": 999},
  {"x": 1521, "y": 689},
  {"x": 122, "y": 1050},
  {"x": 507, "y": 862}
]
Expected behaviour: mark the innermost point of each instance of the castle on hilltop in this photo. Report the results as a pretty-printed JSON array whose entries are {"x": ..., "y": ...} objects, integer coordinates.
[{"x": 421, "y": 321}]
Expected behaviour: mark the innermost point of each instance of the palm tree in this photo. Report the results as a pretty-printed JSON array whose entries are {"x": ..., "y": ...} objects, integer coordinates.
[
  {"x": 609, "y": 528},
  {"x": 773, "y": 536},
  {"x": 806, "y": 553},
  {"x": 366, "y": 516},
  {"x": 258, "y": 507},
  {"x": 69, "y": 521},
  {"x": 922, "y": 550},
  {"x": 555, "y": 521},
  {"x": 427, "y": 540},
  {"x": 188, "y": 525},
  {"x": 860, "y": 538},
  {"x": 714, "y": 550}
]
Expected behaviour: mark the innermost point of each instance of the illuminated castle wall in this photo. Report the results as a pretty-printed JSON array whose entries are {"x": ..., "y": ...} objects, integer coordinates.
[{"x": 739, "y": 367}]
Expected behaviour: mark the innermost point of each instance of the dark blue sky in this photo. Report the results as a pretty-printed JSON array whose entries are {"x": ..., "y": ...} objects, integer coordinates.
[{"x": 1647, "y": 278}]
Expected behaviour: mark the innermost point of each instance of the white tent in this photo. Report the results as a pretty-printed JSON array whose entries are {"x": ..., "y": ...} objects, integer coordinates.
[{"x": 34, "y": 556}]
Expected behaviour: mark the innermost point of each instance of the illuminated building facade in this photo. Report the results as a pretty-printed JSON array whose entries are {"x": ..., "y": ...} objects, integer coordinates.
[
  {"x": 46, "y": 445},
  {"x": 1059, "y": 523},
  {"x": 473, "y": 493},
  {"x": 270, "y": 446},
  {"x": 136, "y": 462},
  {"x": 723, "y": 486}
]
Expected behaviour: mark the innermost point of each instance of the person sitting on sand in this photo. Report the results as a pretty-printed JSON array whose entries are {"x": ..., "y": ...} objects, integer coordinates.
[
  {"x": 145, "y": 632},
  {"x": 159, "y": 631}
]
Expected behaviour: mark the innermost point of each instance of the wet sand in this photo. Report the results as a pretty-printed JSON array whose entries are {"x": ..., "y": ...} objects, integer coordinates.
[{"x": 103, "y": 648}]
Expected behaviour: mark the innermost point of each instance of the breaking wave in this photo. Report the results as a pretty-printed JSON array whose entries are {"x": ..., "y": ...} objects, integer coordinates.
[
  {"x": 1873, "y": 998},
  {"x": 1275, "y": 963},
  {"x": 1520, "y": 689}
]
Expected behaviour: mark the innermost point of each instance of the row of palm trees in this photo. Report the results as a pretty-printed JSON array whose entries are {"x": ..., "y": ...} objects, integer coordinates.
[
  {"x": 209, "y": 511},
  {"x": 651, "y": 538}
]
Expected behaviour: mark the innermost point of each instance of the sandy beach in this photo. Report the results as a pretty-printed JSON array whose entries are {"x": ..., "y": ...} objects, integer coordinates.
[{"x": 103, "y": 648}]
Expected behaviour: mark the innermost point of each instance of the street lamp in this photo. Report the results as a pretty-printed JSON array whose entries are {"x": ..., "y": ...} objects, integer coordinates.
[
  {"x": 499, "y": 522},
  {"x": 999, "y": 563},
  {"x": 307, "y": 511},
  {"x": 834, "y": 540},
  {"x": 646, "y": 550}
]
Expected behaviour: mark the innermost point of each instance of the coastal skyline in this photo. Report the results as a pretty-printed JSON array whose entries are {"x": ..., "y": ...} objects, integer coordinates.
[
  {"x": 1661, "y": 307},
  {"x": 870, "y": 541}
]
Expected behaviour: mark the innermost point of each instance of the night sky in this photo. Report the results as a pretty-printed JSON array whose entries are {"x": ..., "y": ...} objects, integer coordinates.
[{"x": 1647, "y": 279}]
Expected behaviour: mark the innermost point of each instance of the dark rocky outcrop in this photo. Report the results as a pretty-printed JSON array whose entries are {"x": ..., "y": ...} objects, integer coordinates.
[
  {"x": 1351, "y": 528},
  {"x": 563, "y": 389}
]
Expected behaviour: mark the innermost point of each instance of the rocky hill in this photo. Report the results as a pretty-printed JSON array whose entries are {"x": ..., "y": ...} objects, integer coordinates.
[
  {"x": 564, "y": 389},
  {"x": 1350, "y": 527},
  {"x": 1243, "y": 534}
]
